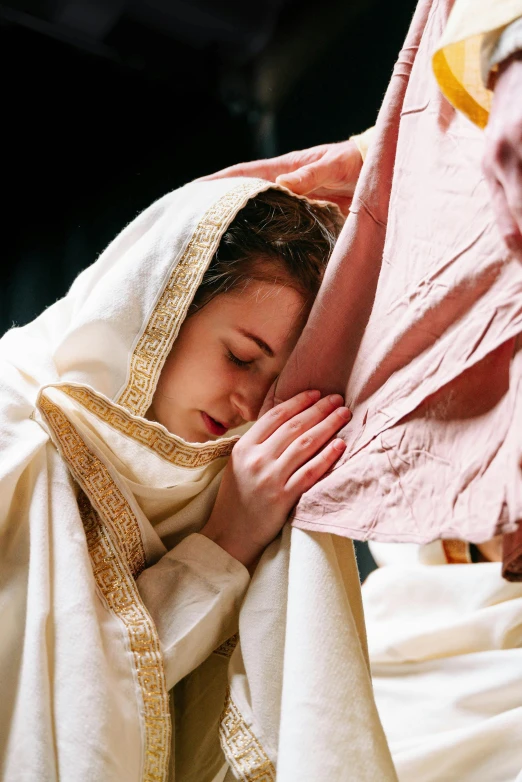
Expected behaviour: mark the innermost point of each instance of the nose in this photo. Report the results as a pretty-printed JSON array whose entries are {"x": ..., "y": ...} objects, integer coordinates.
[{"x": 247, "y": 399}]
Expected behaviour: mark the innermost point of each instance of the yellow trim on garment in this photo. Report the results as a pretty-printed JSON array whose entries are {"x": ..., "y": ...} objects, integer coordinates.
[{"x": 457, "y": 60}]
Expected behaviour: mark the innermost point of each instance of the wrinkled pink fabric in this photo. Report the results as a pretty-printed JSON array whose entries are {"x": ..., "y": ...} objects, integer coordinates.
[{"x": 417, "y": 324}]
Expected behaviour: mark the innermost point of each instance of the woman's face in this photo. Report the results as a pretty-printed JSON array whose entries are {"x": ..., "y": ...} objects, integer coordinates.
[{"x": 226, "y": 357}]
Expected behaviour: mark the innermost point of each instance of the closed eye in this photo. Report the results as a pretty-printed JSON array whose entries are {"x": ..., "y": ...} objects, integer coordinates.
[{"x": 237, "y": 361}]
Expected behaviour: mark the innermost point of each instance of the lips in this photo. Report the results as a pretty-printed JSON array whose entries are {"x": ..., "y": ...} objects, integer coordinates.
[{"x": 213, "y": 426}]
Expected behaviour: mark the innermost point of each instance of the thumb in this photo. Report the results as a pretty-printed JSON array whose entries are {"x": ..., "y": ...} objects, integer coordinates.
[{"x": 305, "y": 179}]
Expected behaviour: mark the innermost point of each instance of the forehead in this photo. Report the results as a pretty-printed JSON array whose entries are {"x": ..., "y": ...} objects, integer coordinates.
[{"x": 274, "y": 312}]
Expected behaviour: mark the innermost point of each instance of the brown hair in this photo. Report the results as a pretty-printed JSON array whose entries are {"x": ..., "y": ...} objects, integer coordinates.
[{"x": 276, "y": 237}]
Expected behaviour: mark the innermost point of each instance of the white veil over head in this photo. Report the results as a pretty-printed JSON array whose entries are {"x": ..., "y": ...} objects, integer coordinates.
[{"x": 92, "y": 494}]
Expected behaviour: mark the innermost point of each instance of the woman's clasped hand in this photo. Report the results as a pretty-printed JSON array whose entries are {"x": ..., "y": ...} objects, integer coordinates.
[{"x": 285, "y": 453}]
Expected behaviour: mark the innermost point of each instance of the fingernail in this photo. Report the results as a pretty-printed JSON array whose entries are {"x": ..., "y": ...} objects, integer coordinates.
[
  {"x": 314, "y": 394},
  {"x": 288, "y": 180},
  {"x": 339, "y": 445},
  {"x": 333, "y": 398},
  {"x": 344, "y": 413},
  {"x": 293, "y": 176}
]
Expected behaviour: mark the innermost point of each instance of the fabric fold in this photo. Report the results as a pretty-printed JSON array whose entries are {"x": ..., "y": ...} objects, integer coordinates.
[
  {"x": 417, "y": 325},
  {"x": 310, "y": 686},
  {"x": 117, "y": 614}
]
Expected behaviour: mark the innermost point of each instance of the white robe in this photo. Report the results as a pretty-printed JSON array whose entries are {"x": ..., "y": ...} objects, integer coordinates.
[
  {"x": 445, "y": 644},
  {"x": 111, "y": 603}
]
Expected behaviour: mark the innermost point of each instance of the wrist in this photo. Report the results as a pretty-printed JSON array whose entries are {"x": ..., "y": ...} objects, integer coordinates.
[{"x": 245, "y": 551}]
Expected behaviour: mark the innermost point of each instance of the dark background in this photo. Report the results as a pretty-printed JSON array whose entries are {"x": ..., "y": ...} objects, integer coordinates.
[{"x": 108, "y": 104}]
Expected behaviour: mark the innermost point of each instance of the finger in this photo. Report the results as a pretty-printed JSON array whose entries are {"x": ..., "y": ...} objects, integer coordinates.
[
  {"x": 279, "y": 415},
  {"x": 331, "y": 178},
  {"x": 507, "y": 226},
  {"x": 264, "y": 169},
  {"x": 311, "y": 442},
  {"x": 271, "y": 168},
  {"x": 323, "y": 194},
  {"x": 314, "y": 470},
  {"x": 300, "y": 424},
  {"x": 307, "y": 178}
]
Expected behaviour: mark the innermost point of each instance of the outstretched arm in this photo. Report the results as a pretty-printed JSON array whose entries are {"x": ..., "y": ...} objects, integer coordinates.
[{"x": 328, "y": 171}]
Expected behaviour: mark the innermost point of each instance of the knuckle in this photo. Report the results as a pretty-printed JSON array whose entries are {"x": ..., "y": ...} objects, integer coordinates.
[
  {"x": 275, "y": 416},
  {"x": 326, "y": 458},
  {"x": 263, "y": 482},
  {"x": 276, "y": 413},
  {"x": 328, "y": 454},
  {"x": 255, "y": 464},
  {"x": 326, "y": 411},
  {"x": 251, "y": 461},
  {"x": 311, "y": 171},
  {"x": 295, "y": 158},
  {"x": 295, "y": 426},
  {"x": 309, "y": 474},
  {"x": 306, "y": 441},
  {"x": 237, "y": 457},
  {"x": 241, "y": 447},
  {"x": 289, "y": 494},
  {"x": 268, "y": 486}
]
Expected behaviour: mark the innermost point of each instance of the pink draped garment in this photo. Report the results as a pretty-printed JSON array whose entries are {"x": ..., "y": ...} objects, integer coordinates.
[{"x": 417, "y": 325}]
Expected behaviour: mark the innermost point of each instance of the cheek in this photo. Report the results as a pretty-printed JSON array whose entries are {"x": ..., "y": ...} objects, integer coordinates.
[
  {"x": 220, "y": 375},
  {"x": 176, "y": 381},
  {"x": 168, "y": 374},
  {"x": 194, "y": 377}
]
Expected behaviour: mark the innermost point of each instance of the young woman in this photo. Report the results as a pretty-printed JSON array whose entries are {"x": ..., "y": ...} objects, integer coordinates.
[{"x": 126, "y": 537}]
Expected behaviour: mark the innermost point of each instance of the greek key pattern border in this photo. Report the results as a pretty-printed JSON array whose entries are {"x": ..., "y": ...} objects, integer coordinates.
[
  {"x": 148, "y": 434},
  {"x": 120, "y": 595},
  {"x": 162, "y": 328},
  {"x": 96, "y": 481},
  {"x": 456, "y": 552},
  {"x": 227, "y": 648},
  {"x": 245, "y": 755}
]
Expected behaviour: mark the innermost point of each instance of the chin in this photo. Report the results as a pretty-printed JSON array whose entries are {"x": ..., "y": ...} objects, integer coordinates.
[
  {"x": 193, "y": 436},
  {"x": 190, "y": 437},
  {"x": 200, "y": 438}
]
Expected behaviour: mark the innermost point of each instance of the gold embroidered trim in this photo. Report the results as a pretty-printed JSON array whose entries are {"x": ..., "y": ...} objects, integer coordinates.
[
  {"x": 120, "y": 595},
  {"x": 96, "y": 481},
  {"x": 148, "y": 434},
  {"x": 169, "y": 313},
  {"x": 241, "y": 748},
  {"x": 226, "y": 649},
  {"x": 456, "y": 552}
]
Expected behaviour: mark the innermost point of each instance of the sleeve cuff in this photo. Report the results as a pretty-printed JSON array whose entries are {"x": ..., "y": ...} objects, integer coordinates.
[
  {"x": 362, "y": 141},
  {"x": 193, "y": 594},
  {"x": 199, "y": 550}
]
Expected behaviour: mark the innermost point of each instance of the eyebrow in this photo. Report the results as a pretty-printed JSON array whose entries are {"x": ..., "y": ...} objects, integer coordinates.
[{"x": 259, "y": 342}]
